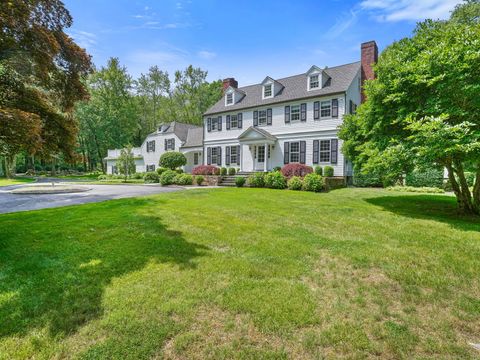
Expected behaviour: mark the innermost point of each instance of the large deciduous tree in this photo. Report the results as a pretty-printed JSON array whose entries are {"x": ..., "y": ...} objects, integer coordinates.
[{"x": 423, "y": 106}]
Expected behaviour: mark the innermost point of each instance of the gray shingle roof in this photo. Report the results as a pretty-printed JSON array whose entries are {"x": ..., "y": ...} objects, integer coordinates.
[
  {"x": 295, "y": 87},
  {"x": 177, "y": 128},
  {"x": 194, "y": 138}
]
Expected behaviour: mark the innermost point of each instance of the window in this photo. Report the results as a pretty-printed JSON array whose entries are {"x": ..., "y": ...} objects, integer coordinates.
[
  {"x": 267, "y": 91},
  {"x": 229, "y": 98},
  {"x": 314, "y": 82},
  {"x": 195, "y": 158},
  {"x": 233, "y": 121},
  {"x": 170, "y": 144},
  {"x": 324, "y": 151},
  {"x": 325, "y": 109},
  {"x": 150, "y": 145},
  {"x": 150, "y": 168},
  {"x": 214, "y": 124},
  {"x": 214, "y": 155},
  {"x": 295, "y": 113},
  {"x": 262, "y": 117},
  {"x": 233, "y": 155},
  {"x": 261, "y": 154},
  {"x": 114, "y": 170},
  {"x": 294, "y": 152}
]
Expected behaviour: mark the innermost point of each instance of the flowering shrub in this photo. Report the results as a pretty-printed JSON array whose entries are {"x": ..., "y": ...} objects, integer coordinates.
[
  {"x": 328, "y": 171},
  {"x": 275, "y": 180},
  {"x": 313, "y": 182},
  {"x": 296, "y": 169},
  {"x": 295, "y": 183},
  {"x": 256, "y": 180},
  {"x": 205, "y": 170}
]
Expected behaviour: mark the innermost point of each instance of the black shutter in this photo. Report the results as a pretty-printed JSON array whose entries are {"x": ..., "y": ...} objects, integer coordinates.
[
  {"x": 239, "y": 120},
  {"x": 269, "y": 116},
  {"x": 209, "y": 124},
  {"x": 316, "y": 110},
  {"x": 228, "y": 122},
  {"x": 153, "y": 145},
  {"x": 220, "y": 123},
  {"x": 303, "y": 149},
  {"x": 166, "y": 145},
  {"x": 227, "y": 155},
  {"x": 173, "y": 144},
  {"x": 303, "y": 112},
  {"x": 333, "y": 151},
  {"x": 238, "y": 154},
  {"x": 287, "y": 116},
  {"x": 209, "y": 156},
  {"x": 350, "y": 107},
  {"x": 334, "y": 108},
  {"x": 316, "y": 149},
  {"x": 219, "y": 155},
  {"x": 286, "y": 152},
  {"x": 255, "y": 118}
]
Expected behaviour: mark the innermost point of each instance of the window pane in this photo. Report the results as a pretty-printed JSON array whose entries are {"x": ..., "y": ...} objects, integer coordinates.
[
  {"x": 325, "y": 151},
  {"x": 295, "y": 112},
  {"x": 267, "y": 91},
  {"x": 229, "y": 98},
  {"x": 261, "y": 154},
  {"x": 262, "y": 117},
  {"x": 314, "y": 83},
  {"x": 325, "y": 109},
  {"x": 233, "y": 121},
  {"x": 295, "y": 152}
]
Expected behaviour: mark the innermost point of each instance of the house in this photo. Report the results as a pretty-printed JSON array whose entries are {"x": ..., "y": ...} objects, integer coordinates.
[
  {"x": 289, "y": 120},
  {"x": 173, "y": 136}
]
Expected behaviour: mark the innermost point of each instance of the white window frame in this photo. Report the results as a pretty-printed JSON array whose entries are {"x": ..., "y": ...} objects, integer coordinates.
[
  {"x": 264, "y": 123},
  {"x": 310, "y": 80},
  {"x": 227, "y": 98},
  {"x": 324, "y": 151},
  {"x": 270, "y": 86},
  {"x": 233, "y": 156},
  {"x": 214, "y": 156},
  {"x": 291, "y": 113},
  {"x": 329, "y": 102},
  {"x": 232, "y": 117},
  {"x": 297, "y": 153}
]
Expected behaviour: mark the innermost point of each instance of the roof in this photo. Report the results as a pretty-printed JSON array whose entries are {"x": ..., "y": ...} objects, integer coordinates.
[
  {"x": 175, "y": 127},
  {"x": 264, "y": 133},
  {"x": 295, "y": 87},
  {"x": 194, "y": 138}
]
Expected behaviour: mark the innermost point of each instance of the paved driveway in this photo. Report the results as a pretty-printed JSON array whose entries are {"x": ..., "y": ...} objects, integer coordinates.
[{"x": 22, "y": 202}]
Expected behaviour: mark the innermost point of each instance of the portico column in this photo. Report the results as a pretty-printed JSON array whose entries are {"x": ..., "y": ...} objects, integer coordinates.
[{"x": 265, "y": 154}]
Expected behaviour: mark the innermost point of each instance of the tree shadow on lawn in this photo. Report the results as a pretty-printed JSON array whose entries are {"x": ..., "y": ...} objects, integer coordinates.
[
  {"x": 55, "y": 276},
  {"x": 430, "y": 207}
]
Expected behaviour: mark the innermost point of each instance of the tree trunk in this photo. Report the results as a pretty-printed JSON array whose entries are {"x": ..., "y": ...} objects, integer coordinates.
[
  {"x": 476, "y": 191},
  {"x": 462, "y": 193},
  {"x": 9, "y": 166}
]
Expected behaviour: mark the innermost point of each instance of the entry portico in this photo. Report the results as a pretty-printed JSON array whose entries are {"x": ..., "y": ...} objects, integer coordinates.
[{"x": 260, "y": 144}]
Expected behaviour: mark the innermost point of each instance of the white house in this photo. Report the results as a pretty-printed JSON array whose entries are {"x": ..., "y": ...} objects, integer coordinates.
[{"x": 288, "y": 120}]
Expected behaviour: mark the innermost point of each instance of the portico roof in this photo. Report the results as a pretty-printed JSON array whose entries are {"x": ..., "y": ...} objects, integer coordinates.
[{"x": 254, "y": 135}]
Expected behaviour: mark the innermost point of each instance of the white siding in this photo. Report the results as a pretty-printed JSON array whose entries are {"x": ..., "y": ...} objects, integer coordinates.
[{"x": 153, "y": 157}]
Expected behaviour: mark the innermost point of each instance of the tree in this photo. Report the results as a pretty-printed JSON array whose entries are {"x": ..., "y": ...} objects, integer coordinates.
[
  {"x": 423, "y": 106},
  {"x": 126, "y": 162},
  {"x": 172, "y": 160}
]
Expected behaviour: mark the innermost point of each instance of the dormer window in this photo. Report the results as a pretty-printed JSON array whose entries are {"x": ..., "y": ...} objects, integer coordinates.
[
  {"x": 267, "y": 91},
  {"x": 314, "y": 82},
  {"x": 229, "y": 100}
]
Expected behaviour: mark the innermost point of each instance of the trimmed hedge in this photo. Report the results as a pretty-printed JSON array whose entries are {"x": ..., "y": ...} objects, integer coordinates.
[
  {"x": 161, "y": 170},
  {"x": 295, "y": 183},
  {"x": 151, "y": 177},
  {"x": 172, "y": 160},
  {"x": 328, "y": 171},
  {"x": 425, "y": 178},
  {"x": 183, "y": 179},
  {"x": 313, "y": 182},
  {"x": 199, "y": 179},
  {"x": 168, "y": 177},
  {"x": 231, "y": 171},
  {"x": 296, "y": 169},
  {"x": 318, "y": 170},
  {"x": 223, "y": 171},
  {"x": 205, "y": 170},
  {"x": 275, "y": 180}
]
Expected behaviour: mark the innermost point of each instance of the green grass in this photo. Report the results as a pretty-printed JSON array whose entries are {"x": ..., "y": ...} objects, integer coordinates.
[
  {"x": 15, "y": 181},
  {"x": 242, "y": 274}
]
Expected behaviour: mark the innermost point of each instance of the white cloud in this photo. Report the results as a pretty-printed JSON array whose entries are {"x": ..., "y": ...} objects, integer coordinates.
[
  {"x": 206, "y": 54},
  {"x": 398, "y": 10},
  {"x": 342, "y": 24}
]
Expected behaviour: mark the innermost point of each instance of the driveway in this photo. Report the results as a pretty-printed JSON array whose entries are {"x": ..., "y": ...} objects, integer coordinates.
[{"x": 23, "y": 202}]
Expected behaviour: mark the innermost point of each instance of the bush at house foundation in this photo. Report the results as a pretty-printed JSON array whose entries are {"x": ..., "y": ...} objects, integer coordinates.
[
  {"x": 168, "y": 177},
  {"x": 199, "y": 179},
  {"x": 296, "y": 169},
  {"x": 295, "y": 183},
  {"x": 205, "y": 170},
  {"x": 328, "y": 171},
  {"x": 151, "y": 177},
  {"x": 275, "y": 180},
  {"x": 240, "y": 181},
  {"x": 231, "y": 171},
  {"x": 256, "y": 180},
  {"x": 313, "y": 182}
]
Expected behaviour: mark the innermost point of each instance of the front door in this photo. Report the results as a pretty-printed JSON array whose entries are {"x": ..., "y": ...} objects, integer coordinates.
[{"x": 260, "y": 158}]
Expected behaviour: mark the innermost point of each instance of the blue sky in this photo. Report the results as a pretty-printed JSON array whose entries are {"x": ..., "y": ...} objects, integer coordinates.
[{"x": 247, "y": 40}]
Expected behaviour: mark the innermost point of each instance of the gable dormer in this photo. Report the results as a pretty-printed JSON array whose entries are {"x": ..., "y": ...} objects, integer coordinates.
[
  {"x": 233, "y": 96},
  {"x": 317, "y": 78},
  {"x": 270, "y": 88}
]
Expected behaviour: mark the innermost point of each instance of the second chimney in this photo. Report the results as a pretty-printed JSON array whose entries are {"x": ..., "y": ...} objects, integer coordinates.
[
  {"x": 229, "y": 82},
  {"x": 369, "y": 57}
]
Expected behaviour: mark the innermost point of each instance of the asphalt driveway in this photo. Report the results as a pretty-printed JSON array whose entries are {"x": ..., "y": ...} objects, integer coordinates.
[{"x": 23, "y": 202}]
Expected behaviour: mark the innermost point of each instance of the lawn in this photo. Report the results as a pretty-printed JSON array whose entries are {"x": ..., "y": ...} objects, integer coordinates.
[
  {"x": 242, "y": 274},
  {"x": 15, "y": 181}
]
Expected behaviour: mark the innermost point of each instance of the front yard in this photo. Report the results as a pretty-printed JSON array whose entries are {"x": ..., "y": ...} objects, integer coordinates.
[
  {"x": 15, "y": 181},
  {"x": 242, "y": 273}
]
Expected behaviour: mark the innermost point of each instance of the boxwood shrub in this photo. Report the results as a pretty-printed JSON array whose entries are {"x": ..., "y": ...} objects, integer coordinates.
[
  {"x": 183, "y": 179},
  {"x": 313, "y": 182},
  {"x": 275, "y": 180},
  {"x": 199, "y": 179},
  {"x": 295, "y": 183},
  {"x": 150, "y": 177},
  {"x": 296, "y": 169},
  {"x": 318, "y": 170},
  {"x": 168, "y": 177},
  {"x": 240, "y": 181},
  {"x": 327, "y": 171},
  {"x": 256, "y": 180},
  {"x": 231, "y": 171},
  {"x": 172, "y": 160},
  {"x": 161, "y": 170},
  {"x": 223, "y": 171}
]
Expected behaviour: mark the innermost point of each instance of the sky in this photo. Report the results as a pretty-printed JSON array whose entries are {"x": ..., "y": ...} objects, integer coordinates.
[{"x": 244, "y": 39}]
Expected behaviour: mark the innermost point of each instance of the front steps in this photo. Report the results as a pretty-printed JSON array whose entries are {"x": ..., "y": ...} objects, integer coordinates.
[{"x": 229, "y": 180}]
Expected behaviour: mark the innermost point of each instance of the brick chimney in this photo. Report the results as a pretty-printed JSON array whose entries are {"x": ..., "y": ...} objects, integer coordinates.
[
  {"x": 229, "y": 82},
  {"x": 369, "y": 57}
]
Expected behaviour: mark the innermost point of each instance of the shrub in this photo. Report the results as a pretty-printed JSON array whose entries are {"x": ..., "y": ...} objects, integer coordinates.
[
  {"x": 318, "y": 170},
  {"x": 172, "y": 160},
  {"x": 231, "y": 171},
  {"x": 168, "y": 177},
  {"x": 205, "y": 170},
  {"x": 295, "y": 183},
  {"x": 137, "y": 176},
  {"x": 223, "y": 171},
  {"x": 179, "y": 171},
  {"x": 327, "y": 171},
  {"x": 150, "y": 177},
  {"x": 240, "y": 181},
  {"x": 277, "y": 168},
  {"x": 256, "y": 180},
  {"x": 366, "y": 180},
  {"x": 470, "y": 177},
  {"x": 184, "y": 179},
  {"x": 313, "y": 182},
  {"x": 161, "y": 170},
  {"x": 199, "y": 179},
  {"x": 426, "y": 190},
  {"x": 425, "y": 178},
  {"x": 296, "y": 169},
  {"x": 102, "y": 177},
  {"x": 275, "y": 180}
]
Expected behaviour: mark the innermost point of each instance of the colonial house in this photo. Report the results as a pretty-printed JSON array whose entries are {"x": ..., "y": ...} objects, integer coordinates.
[{"x": 270, "y": 124}]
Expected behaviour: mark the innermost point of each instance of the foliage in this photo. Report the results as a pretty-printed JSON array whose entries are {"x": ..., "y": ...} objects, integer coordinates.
[
  {"x": 205, "y": 170},
  {"x": 138, "y": 176},
  {"x": 126, "y": 162},
  {"x": 102, "y": 177},
  {"x": 183, "y": 179},
  {"x": 275, "y": 180},
  {"x": 256, "y": 180},
  {"x": 296, "y": 169},
  {"x": 161, "y": 170},
  {"x": 179, "y": 171},
  {"x": 240, "y": 181},
  {"x": 199, "y": 179},
  {"x": 223, "y": 171},
  {"x": 327, "y": 171},
  {"x": 168, "y": 177},
  {"x": 422, "y": 109},
  {"x": 151, "y": 177},
  {"x": 318, "y": 170},
  {"x": 429, "y": 177},
  {"x": 277, "y": 168},
  {"x": 231, "y": 171},
  {"x": 313, "y": 182},
  {"x": 362, "y": 179},
  {"x": 422, "y": 189},
  {"x": 295, "y": 183},
  {"x": 172, "y": 160}
]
